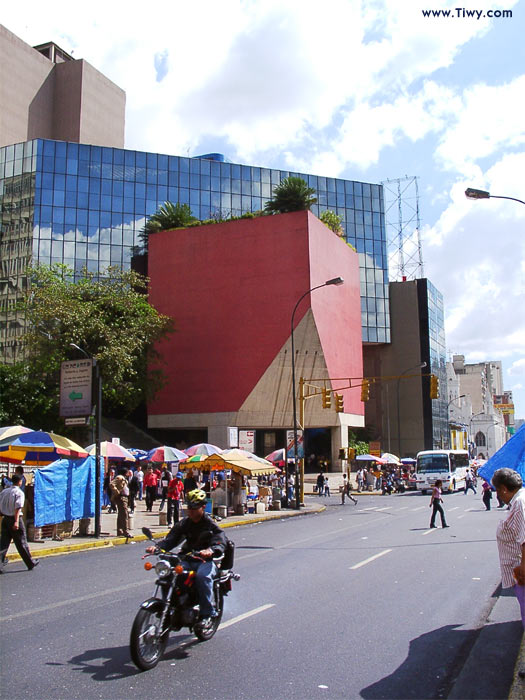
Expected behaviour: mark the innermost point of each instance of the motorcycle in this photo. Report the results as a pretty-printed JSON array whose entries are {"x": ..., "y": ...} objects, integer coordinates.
[{"x": 175, "y": 603}]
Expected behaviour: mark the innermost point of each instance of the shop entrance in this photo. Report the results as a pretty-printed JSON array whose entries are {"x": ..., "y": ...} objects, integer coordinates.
[{"x": 318, "y": 449}]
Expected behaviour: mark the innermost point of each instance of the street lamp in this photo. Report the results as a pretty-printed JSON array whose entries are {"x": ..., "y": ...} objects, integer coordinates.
[
  {"x": 421, "y": 365},
  {"x": 471, "y": 193},
  {"x": 98, "y": 426},
  {"x": 456, "y": 398},
  {"x": 298, "y": 480}
]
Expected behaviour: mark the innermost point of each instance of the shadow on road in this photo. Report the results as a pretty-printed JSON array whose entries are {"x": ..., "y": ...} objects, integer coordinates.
[{"x": 427, "y": 671}]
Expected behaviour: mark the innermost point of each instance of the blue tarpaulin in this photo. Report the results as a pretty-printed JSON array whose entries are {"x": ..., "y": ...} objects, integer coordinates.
[
  {"x": 511, "y": 455},
  {"x": 65, "y": 490}
]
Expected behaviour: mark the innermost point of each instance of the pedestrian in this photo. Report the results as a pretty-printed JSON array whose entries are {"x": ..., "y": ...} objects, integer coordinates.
[
  {"x": 165, "y": 478},
  {"x": 346, "y": 490},
  {"x": 469, "y": 482},
  {"x": 140, "y": 476},
  {"x": 150, "y": 485},
  {"x": 134, "y": 487},
  {"x": 320, "y": 483},
  {"x": 13, "y": 529},
  {"x": 175, "y": 496},
  {"x": 360, "y": 479},
  {"x": 435, "y": 503},
  {"x": 510, "y": 534},
  {"x": 190, "y": 483},
  {"x": 487, "y": 494},
  {"x": 20, "y": 471},
  {"x": 326, "y": 487},
  {"x": 119, "y": 497}
]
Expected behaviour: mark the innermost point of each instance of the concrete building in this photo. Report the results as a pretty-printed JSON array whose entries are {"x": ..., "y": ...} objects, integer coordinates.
[
  {"x": 229, "y": 363},
  {"x": 46, "y": 93},
  {"x": 482, "y": 381},
  {"x": 400, "y": 413},
  {"x": 459, "y": 412}
]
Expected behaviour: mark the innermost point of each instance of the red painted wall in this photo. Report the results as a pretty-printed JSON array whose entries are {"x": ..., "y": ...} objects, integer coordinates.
[{"x": 231, "y": 289}]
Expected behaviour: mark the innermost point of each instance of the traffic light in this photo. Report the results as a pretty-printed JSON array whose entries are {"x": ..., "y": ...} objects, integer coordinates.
[
  {"x": 365, "y": 390},
  {"x": 326, "y": 398},
  {"x": 339, "y": 403},
  {"x": 343, "y": 453},
  {"x": 434, "y": 387},
  {"x": 351, "y": 453}
]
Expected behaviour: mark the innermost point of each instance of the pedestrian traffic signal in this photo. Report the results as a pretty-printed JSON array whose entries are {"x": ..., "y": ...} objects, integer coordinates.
[
  {"x": 339, "y": 403},
  {"x": 434, "y": 387},
  {"x": 365, "y": 390},
  {"x": 351, "y": 453},
  {"x": 327, "y": 398},
  {"x": 343, "y": 453}
]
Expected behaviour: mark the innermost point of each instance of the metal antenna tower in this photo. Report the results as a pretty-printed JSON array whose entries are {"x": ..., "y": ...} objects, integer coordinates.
[{"x": 403, "y": 227}]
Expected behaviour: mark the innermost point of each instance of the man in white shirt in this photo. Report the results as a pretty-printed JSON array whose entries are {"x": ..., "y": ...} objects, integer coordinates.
[{"x": 13, "y": 529}]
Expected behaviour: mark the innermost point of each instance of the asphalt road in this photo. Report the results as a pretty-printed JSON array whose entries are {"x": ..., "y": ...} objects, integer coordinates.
[{"x": 356, "y": 602}]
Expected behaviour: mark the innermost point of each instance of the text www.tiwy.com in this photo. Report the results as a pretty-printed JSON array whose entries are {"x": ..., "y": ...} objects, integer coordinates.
[{"x": 462, "y": 12}]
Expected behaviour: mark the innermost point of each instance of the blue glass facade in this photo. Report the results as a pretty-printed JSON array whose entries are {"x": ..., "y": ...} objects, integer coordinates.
[{"x": 85, "y": 205}]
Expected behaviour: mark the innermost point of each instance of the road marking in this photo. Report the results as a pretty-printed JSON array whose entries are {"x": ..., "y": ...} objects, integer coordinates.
[
  {"x": 385, "y": 508},
  {"x": 245, "y": 615},
  {"x": 367, "y": 561},
  {"x": 369, "y": 508},
  {"x": 460, "y": 516},
  {"x": 427, "y": 531},
  {"x": 403, "y": 508},
  {"x": 455, "y": 508},
  {"x": 418, "y": 508}
]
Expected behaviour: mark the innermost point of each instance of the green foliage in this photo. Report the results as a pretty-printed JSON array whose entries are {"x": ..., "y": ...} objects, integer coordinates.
[
  {"x": 356, "y": 441},
  {"x": 28, "y": 396},
  {"x": 168, "y": 216},
  {"x": 333, "y": 221},
  {"x": 292, "y": 194},
  {"x": 109, "y": 318}
]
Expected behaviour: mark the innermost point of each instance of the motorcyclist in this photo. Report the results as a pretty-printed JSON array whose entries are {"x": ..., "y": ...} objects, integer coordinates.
[{"x": 202, "y": 537}]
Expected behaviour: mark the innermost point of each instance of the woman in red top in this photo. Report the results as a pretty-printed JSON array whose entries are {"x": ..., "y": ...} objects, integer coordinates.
[
  {"x": 150, "y": 485},
  {"x": 435, "y": 503}
]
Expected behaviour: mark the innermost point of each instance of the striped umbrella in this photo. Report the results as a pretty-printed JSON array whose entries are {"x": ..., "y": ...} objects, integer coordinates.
[
  {"x": 203, "y": 448},
  {"x": 112, "y": 451},
  {"x": 166, "y": 454}
]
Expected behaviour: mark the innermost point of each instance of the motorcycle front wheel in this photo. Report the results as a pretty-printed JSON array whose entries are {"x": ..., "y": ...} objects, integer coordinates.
[{"x": 147, "y": 641}]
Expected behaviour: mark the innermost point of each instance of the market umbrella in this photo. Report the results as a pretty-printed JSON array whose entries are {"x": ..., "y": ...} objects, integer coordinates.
[
  {"x": 140, "y": 455},
  {"x": 8, "y": 431},
  {"x": 202, "y": 448},
  {"x": 112, "y": 451},
  {"x": 389, "y": 458},
  {"x": 408, "y": 460},
  {"x": 166, "y": 454},
  {"x": 236, "y": 453},
  {"x": 277, "y": 455},
  {"x": 39, "y": 447},
  {"x": 370, "y": 458},
  {"x": 511, "y": 455}
]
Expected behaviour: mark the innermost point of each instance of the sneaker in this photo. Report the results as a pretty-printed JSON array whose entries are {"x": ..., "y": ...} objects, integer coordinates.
[{"x": 446, "y": 525}]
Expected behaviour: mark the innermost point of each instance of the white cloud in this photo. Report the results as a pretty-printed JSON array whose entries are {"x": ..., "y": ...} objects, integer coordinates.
[{"x": 517, "y": 367}]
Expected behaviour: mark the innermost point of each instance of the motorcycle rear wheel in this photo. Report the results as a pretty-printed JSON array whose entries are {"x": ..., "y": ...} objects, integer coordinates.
[
  {"x": 147, "y": 641},
  {"x": 204, "y": 634}
]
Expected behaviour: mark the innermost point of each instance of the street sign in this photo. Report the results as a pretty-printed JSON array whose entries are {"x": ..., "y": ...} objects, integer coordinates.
[
  {"x": 289, "y": 444},
  {"x": 82, "y": 420},
  {"x": 233, "y": 437},
  {"x": 75, "y": 388},
  {"x": 247, "y": 440}
]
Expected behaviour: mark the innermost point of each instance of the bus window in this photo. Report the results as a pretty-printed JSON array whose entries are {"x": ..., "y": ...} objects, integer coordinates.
[
  {"x": 460, "y": 460},
  {"x": 432, "y": 463}
]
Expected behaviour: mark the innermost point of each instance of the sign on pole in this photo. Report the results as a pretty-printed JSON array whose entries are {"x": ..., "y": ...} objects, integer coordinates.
[
  {"x": 247, "y": 440},
  {"x": 75, "y": 388}
]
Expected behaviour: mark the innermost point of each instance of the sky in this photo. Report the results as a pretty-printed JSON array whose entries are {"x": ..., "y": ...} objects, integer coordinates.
[{"x": 363, "y": 90}]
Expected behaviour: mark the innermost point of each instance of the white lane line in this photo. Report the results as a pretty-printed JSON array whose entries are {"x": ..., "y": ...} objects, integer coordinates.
[
  {"x": 470, "y": 510},
  {"x": 460, "y": 516},
  {"x": 403, "y": 508},
  {"x": 369, "y": 508},
  {"x": 427, "y": 531},
  {"x": 418, "y": 508},
  {"x": 385, "y": 508},
  {"x": 455, "y": 508},
  {"x": 367, "y": 561},
  {"x": 245, "y": 615}
]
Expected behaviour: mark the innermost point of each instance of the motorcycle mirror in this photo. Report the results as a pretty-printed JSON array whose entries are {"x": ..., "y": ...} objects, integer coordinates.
[{"x": 148, "y": 533}]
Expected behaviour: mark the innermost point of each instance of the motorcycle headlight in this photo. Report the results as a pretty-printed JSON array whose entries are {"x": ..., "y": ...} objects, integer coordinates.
[{"x": 162, "y": 569}]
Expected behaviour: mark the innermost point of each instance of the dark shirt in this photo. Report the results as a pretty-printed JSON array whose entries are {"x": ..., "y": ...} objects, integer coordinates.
[
  {"x": 202, "y": 535},
  {"x": 189, "y": 484}
]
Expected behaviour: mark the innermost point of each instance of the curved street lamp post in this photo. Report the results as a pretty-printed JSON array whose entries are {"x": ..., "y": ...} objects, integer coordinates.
[
  {"x": 299, "y": 479},
  {"x": 471, "y": 193}
]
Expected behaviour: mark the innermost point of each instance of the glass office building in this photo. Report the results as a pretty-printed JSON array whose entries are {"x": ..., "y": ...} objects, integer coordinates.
[{"x": 85, "y": 205}]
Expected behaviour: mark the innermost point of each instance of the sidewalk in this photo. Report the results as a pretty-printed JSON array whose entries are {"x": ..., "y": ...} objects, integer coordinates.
[{"x": 78, "y": 543}]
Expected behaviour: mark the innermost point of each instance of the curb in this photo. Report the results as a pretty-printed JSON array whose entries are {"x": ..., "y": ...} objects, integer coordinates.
[
  {"x": 116, "y": 541},
  {"x": 517, "y": 690}
]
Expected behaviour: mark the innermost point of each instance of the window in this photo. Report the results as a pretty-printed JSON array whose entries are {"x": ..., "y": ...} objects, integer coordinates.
[{"x": 480, "y": 439}]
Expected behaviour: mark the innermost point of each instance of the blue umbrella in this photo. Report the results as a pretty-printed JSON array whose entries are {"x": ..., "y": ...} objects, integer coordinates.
[{"x": 511, "y": 455}]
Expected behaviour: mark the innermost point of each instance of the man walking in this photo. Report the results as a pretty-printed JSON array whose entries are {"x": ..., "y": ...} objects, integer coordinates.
[
  {"x": 469, "y": 482},
  {"x": 13, "y": 529}
]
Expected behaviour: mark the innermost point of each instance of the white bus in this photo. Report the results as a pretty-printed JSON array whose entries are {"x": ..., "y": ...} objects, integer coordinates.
[{"x": 448, "y": 465}]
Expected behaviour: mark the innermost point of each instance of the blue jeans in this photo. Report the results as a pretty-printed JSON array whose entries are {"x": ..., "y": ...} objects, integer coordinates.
[{"x": 206, "y": 571}]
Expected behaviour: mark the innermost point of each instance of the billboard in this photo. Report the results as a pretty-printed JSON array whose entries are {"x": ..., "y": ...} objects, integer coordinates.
[{"x": 75, "y": 388}]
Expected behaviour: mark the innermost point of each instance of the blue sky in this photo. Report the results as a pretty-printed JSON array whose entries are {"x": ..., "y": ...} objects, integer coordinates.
[{"x": 362, "y": 90}]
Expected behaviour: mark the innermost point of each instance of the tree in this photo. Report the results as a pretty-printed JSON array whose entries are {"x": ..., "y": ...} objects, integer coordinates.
[
  {"x": 333, "y": 221},
  {"x": 292, "y": 194},
  {"x": 109, "y": 318},
  {"x": 167, "y": 217}
]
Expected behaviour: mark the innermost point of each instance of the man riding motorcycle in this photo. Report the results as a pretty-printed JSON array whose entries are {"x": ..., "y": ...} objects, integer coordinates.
[{"x": 203, "y": 538}]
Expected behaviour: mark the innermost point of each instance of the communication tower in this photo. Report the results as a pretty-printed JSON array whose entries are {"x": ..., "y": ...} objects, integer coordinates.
[{"x": 403, "y": 226}]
